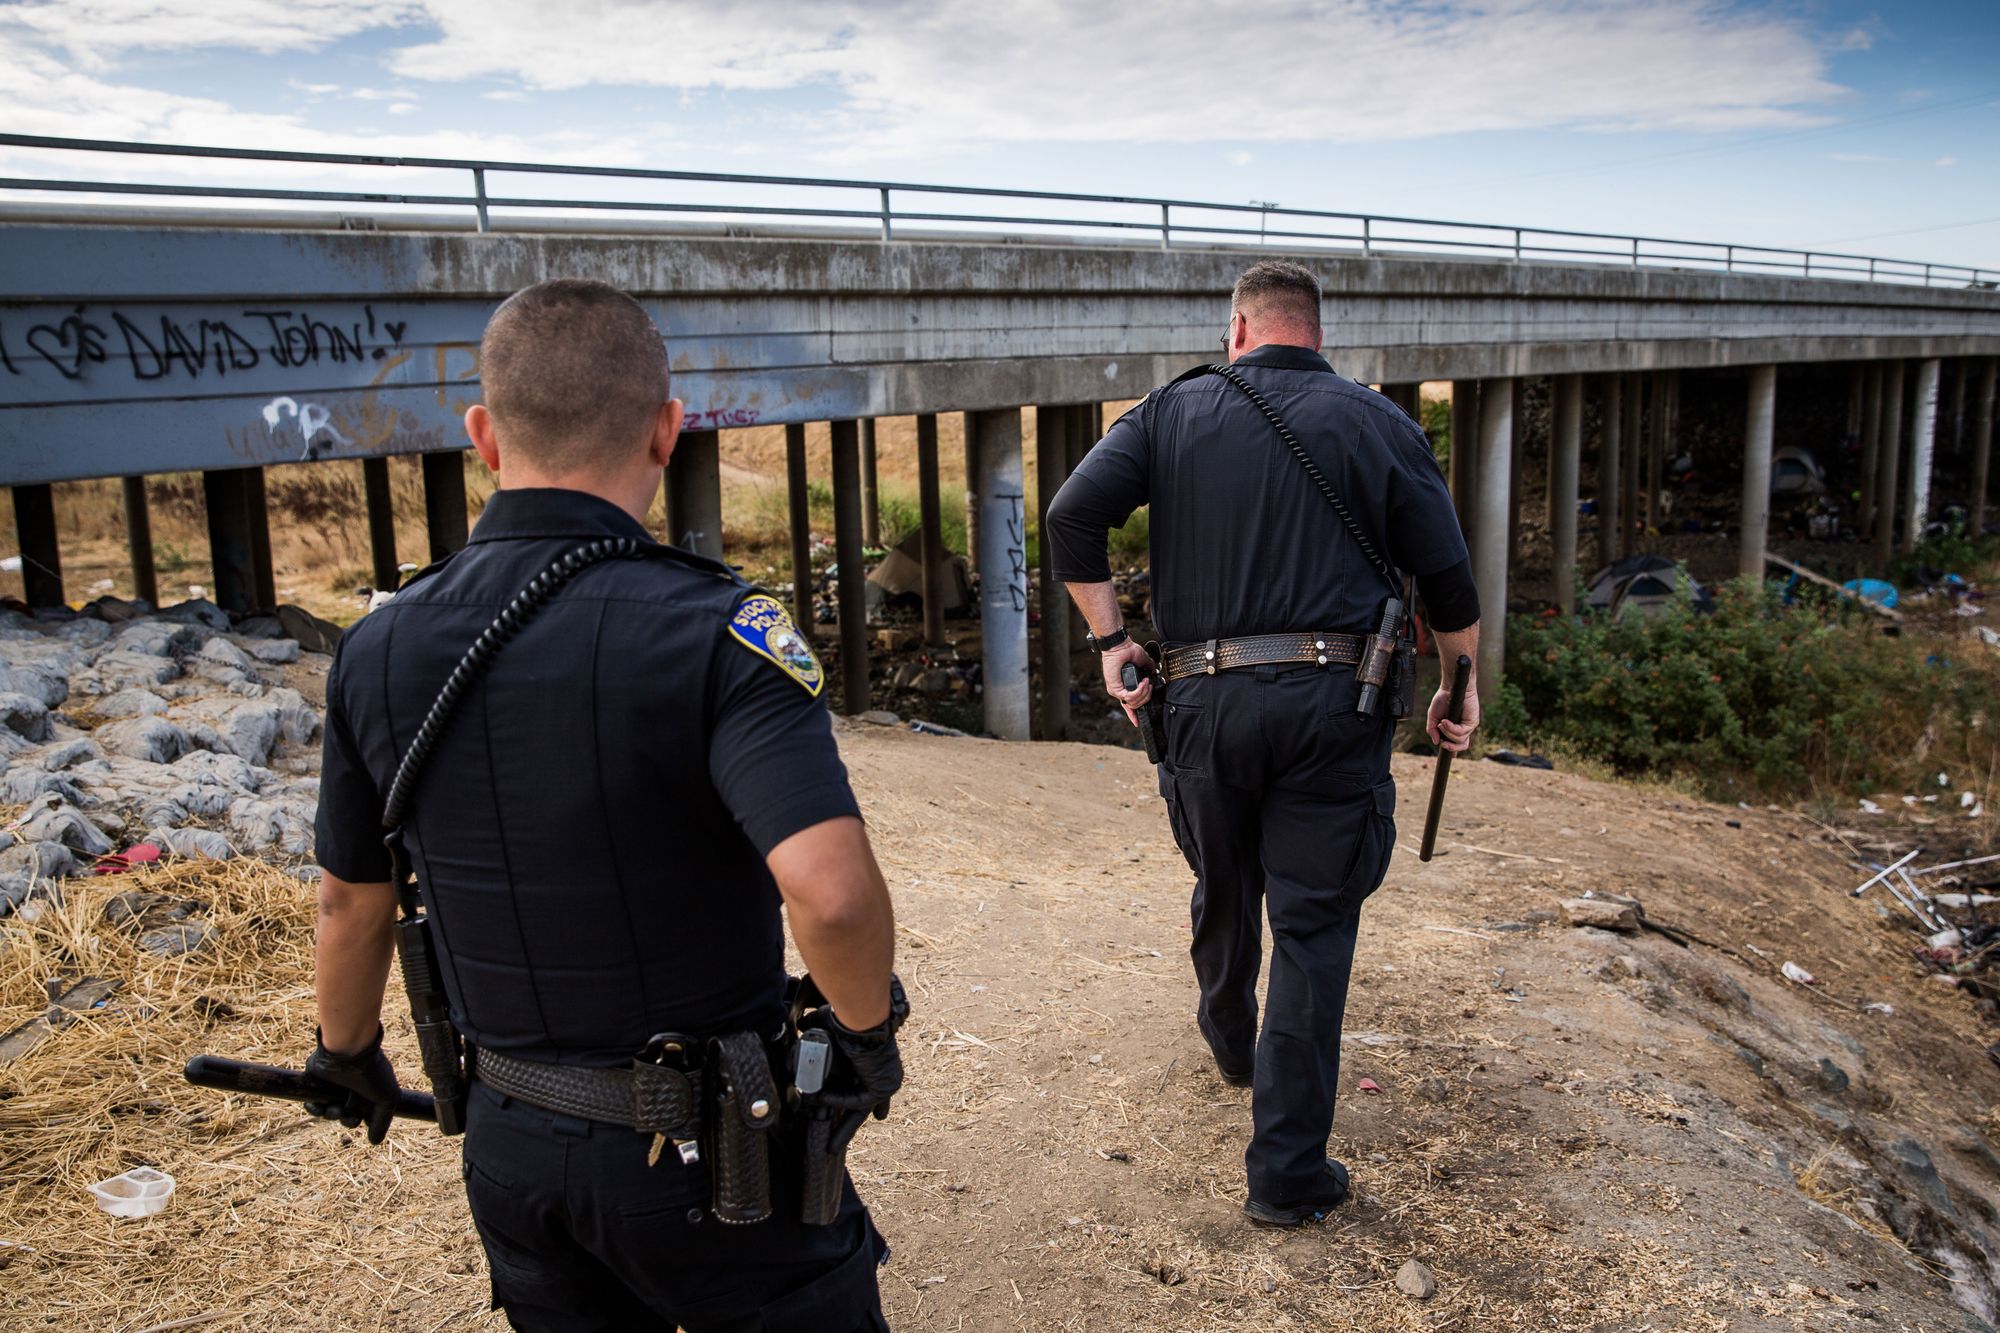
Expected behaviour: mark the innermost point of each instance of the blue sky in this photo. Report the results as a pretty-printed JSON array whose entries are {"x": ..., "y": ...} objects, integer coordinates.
[{"x": 1824, "y": 124}]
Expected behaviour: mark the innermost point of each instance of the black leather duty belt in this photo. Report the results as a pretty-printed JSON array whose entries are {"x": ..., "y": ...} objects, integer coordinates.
[
  {"x": 650, "y": 1098},
  {"x": 1205, "y": 659}
]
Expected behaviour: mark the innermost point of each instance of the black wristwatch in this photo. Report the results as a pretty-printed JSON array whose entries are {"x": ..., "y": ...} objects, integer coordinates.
[{"x": 1108, "y": 642}]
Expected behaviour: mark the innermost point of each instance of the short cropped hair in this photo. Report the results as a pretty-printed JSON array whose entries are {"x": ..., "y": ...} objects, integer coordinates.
[
  {"x": 574, "y": 373},
  {"x": 1278, "y": 289}
]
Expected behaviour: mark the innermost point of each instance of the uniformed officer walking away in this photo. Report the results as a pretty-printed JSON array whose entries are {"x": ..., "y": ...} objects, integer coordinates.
[
  {"x": 1283, "y": 498},
  {"x": 602, "y": 811}
]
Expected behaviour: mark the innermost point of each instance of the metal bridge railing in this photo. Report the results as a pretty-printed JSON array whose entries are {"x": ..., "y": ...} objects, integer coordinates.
[{"x": 875, "y": 203}]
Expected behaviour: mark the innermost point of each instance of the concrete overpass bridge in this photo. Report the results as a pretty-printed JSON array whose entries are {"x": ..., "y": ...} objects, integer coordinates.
[{"x": 229, "y": 329}]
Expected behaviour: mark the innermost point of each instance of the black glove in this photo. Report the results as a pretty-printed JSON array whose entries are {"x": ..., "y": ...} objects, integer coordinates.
[
  {"x": 870, "y": 1069},
  {"x": 366, "y": 1077}
]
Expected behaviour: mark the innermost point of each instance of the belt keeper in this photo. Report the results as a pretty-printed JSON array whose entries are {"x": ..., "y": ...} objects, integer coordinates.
[
  {"x": 1210, "y": 656},
  {"x": 1320, "y": 646}
]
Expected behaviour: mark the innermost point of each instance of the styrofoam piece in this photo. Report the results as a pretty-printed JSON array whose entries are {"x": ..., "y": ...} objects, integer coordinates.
[{"x": 140, "y": 1192}]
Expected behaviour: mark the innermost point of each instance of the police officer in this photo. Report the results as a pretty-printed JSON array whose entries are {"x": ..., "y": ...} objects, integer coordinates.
[
  {"x": 603, "y": 834},
  {"x": 1277, "y": 786}
]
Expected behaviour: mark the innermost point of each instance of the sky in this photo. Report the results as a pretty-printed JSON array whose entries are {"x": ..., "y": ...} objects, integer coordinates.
[{"x": 1872, "y": 129}]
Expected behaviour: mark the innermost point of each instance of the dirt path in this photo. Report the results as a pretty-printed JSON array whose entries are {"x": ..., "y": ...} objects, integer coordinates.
[{"x": 1575, "y": 1129}]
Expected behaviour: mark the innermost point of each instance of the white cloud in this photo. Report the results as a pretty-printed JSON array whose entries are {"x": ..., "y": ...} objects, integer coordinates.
[
  {"x": 505, "y": 95},
  {"x": 96, "y": 32},
  {"x": 1946, "y": 161},
  {"x": 1239, "y": 158},
  {"x": 403, "y": 108},
  {"x": 1859, "y": 157}
]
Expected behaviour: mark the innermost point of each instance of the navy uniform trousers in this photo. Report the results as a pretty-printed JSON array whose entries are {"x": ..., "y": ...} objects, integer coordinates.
[
  {"x": 582, "y": 1236},
  {"x": 1280, "y": 798}
]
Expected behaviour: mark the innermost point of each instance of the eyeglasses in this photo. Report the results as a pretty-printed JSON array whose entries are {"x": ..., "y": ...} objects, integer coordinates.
[{"x": 1228, "y": 329}]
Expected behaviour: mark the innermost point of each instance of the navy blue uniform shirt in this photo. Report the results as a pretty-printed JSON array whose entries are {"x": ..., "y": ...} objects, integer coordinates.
[
  {"x": 1242, "y": 541},
  {"x": 590, "y": 831}
]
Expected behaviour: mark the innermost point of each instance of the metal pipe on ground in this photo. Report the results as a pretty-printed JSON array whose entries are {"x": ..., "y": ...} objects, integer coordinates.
[
  {"x": 1759, "y": 419},
  {"x": 1053, "y": 426},
  {"x": 850, "y": 576},
  {"x": 694, "y": 493},
  {"x": 444, "y": 502},
  {"x": 41, "y": 556},
  {"x": 1982, "y": 442},
  {"x": 1565, "y": 453},
  {"x": 1489, "y": 553},
  {"x": 798, "y": 507},
  {"x": 1889, "y": 456},
  {"x": 1923, "y": 445},
  {"x": 995, "y": 440},
  {"x": 930, "y": 528},
  {"x": 381, "y": 524},
  {"x": 139, "y": 541}
]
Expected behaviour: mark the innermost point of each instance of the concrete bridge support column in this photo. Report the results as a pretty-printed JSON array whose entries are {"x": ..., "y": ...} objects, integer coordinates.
[
  {"x": 1634, "y": 452},
  {"x": 851, "y": 578},
  {"x": 1889, "y": 457},
  {"x": 1464, "y": 452},
  {"x": 1923, "y": 445},
  {"x": 994, "y": 438},
  {"x": 388, "y": 572},
  {"x": 1656, "y": 449},
  {"x": 1565, "y": 453},
  {"x": 41, "y": 556},
  {"x": 1489, "y": 553},
  {"x": 139, "y": 541},
  {"x": 1982, "y": 442},
  {"x": 1759, "y": 420},
  {"x": 1857, "y": 402},
  {"x": 1611, "y": 422},
  {"x": 930, "y": 529},
  {"x": 1951, "y": 411},
  {"x": 1871, "y": 448},
  {"x": 1085, "y": 432},
  {"x": 239, "y": 539},
  {"x": 694, "y": 493},
  {"x": 871, "y": 490},
  {"x": 444, "y": 502},
  {"x": 1053, "y": 427},
  {"x": 1518, "y": 455},
  {"x": 798, "y": 507},
  {"x": 972, "y": 546}
]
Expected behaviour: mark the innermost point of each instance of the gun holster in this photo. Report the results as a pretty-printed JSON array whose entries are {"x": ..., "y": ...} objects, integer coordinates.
[{"x": 1403, "y": 676}]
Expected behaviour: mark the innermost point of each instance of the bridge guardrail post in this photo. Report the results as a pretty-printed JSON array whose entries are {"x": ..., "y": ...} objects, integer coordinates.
[
  {"x": 1367, "y": 239},
  {"x": 1635, "y": 252},
  {"x": 1517, "y": 245},
  {"x": 479, "y": 193},
  {"x": 1166, "y": 227},
  {"x": 885, "y": 213},
  {"x": 1729, "y": 260}
]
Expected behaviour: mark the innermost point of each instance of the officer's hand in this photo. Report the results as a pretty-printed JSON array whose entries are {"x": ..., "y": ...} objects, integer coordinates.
[
  {"x": 369, "y": 1082},
  {"x": 869, "y": 1067},
  {"x": 1448, "y": 735},
  {"x": 1114, "y": 665}
]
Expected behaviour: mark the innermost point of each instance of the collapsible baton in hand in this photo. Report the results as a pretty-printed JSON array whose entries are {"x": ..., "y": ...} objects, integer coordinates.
[
  {"x": 1461, "y": 677},
  {"x": 1130, "y": 677}
]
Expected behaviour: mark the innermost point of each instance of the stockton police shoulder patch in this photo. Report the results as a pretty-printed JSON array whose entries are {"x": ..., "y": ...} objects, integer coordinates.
[{"x": 761, "y": 625}]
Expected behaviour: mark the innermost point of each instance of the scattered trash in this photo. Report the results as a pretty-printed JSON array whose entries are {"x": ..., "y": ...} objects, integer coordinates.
[
  {"x": 923, "y": 728},
  {"x": 117, "y": 863},
  {"x": 1793, "y": 972},
  {"x": 1414, "y": 1280},
  {"x": 11, "y": 564},
  {"x": 1877, "y": 1007},
  {"x": 1369, "y": 1085},
  {"x": 1508, "y": 757},
  {"x": 140, "y": 1192},
  {"x": 1869, "y": 807}
]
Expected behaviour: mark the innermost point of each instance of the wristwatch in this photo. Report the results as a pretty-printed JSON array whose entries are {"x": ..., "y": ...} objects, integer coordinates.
[{"x": 1108, "y": 642}]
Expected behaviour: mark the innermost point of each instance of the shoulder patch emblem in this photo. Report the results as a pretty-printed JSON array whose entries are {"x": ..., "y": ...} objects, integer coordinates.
[{"x": 761, "y": 625}]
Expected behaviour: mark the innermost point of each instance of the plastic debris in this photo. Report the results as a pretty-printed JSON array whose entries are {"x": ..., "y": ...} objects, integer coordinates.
[
  {"x": 1793, "y": 972},
  {"x": 1877, "y": 1007},
  {"x": 1869, "y": 807},
  {"x": 1369, "y": 1085},
  {"x": 140, "y": 1192}
]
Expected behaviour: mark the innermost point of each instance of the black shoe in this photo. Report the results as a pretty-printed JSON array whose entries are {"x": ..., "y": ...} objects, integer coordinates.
[{"x": 1331, "y": 1194}]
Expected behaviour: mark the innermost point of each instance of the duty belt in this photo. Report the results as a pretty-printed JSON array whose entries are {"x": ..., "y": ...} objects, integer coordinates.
[
  {"x": 1205, "y": 659},
  {"x": 652, "y": 1099}
]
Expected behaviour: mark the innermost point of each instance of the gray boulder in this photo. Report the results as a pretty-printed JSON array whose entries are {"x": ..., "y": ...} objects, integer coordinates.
[
  {"x": 196, "y": 612},
  {"x": 279, "y": 826},
  {"x": 69, "y": 754},
  {"x": 69, "y": 827},
  {"x": 226, "y": 770},
  {"x": 276, "y": 652},
  {"x": 23, "y": 786},
  {"x": 25, "y": 716},
  {"x": 197, "y": 844},
  {"x": 131, "y": 703},
  {"x": 252, "y": 728},
  {"x": 153, "y": 739},
  {"x": 30, "y": 866},
  {"x": 157, "y": 638},
  {"x": 84, "y": 632},
  {"x": 121, "y": 669},
  {"x": 51, "y": 687}
]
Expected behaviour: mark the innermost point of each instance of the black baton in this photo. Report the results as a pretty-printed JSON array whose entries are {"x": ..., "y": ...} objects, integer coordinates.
[
  {"x": 215, "y": 1071},
  {"x": 1130, "y": 677},
  {"x": 1461, "y": 677}
]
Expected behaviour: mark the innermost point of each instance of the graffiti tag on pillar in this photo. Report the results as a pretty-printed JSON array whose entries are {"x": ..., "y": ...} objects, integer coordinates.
[{"x": 1017, "y": 550}]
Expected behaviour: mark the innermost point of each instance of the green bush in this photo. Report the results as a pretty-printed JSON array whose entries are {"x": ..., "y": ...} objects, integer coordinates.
[
  {"x": 1436, "y": 418},
  {"x": 1777, "y": 698}
]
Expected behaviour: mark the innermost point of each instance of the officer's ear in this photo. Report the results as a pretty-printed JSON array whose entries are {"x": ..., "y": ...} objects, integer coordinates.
[
  {"x": 667, "y": 431},
  {"x": 479, "y": 429}
]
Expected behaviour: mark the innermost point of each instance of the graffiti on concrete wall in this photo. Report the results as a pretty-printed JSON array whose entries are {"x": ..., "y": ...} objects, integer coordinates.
[{"x": 156, "y": 347}]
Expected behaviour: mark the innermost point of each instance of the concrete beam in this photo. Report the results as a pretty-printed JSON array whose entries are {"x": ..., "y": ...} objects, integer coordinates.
[
  {"x": 1982, "y": 443},
  {"x": 1923, "y": 445},
  {"x": 1053, "y": 427},
  {"x": 930, "y": 526},
  {"x": 381, "y": 506},
  {"x": 444, "y": 502},
  {"x": 1889, "y": 457},
  {"x": 694, "y": 493},
  {"x": 139, "y": 541},
  {"x": 995, "y": 440},
  {"x": 41, "y": 553},
  {"x": 798, "y": 514},
  {"x": 1759, "y": 421},
  {"x": 1489, "y": 556},
  {"x": 1565, "y": 456},
  {"x": 850, "y": 576}
]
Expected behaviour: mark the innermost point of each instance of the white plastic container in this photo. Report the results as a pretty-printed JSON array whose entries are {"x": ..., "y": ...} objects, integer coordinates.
[{"x": 140, "y": 1192}]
